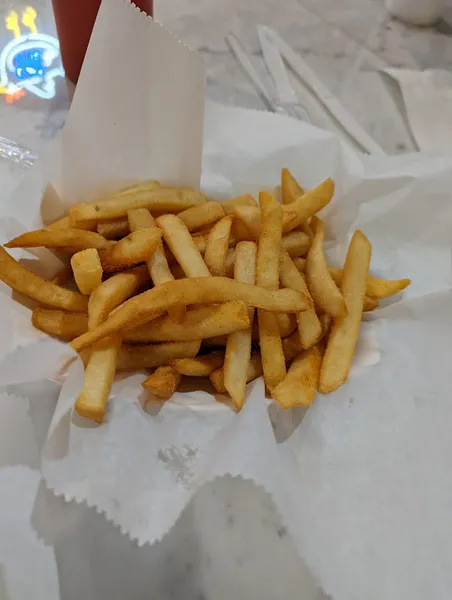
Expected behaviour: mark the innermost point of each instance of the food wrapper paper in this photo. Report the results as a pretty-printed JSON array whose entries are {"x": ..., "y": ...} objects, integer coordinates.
[{"x": 361, "y": 480}]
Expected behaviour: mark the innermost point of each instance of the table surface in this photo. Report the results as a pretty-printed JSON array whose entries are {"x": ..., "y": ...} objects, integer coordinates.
[{"x": 230, "y": 536}]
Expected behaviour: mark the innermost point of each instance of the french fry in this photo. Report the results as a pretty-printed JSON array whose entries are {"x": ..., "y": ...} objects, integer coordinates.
[
  {"x": 114, "y": 230},
  {"x": 99, "y": 375},
  {"x": 77, "y": 239},
  {"x": 238, "y": 346},
  {"x": 320, "y": 283},
  {"x": 287, "y": 323},
  {"x": 141, "y": 218},
  {"x": 201, "y": 322},
  {"x": 375, "y": 287},
  {"x": 253, "y": 372},
  {"x": 113, "y": 292},
  {"x": 149, "y": 356},
  {"x": 296, "y": 243},
  {"x": 60, "y": 224},
  {"x": 308, "y": 205},
  {"x": 37, "y": 288},
  {"x": 201, "y": 366},
  {"x": 239, "y": 233},
  {"x": 243, "y": 200},
  {"x": 137, "y": 247},
  {"x": 202, "y": 215},
  {"x": 161, "y": 199},
  {"x": 163, "y": 382},
  {"x": 299, "y": 386},
  {"x": 309, "y": 326},
  {"x": 300, "y": 263},
  {"x": 66, "y": 325},
  {"x": 229, "y": 263},
  {"x": 218, "y": 246},
  {"x": 197, "y": 290},
  {"x": 87, "y": 270},
  {"x": 290, "y": 190},
  {"x": 267, "y": 276},
  {"x": 370, "y": 303},
  {"x": 183, "y": 246},
  {"x": 251, "y": 218},
  {"x": 344, "y": 334}
]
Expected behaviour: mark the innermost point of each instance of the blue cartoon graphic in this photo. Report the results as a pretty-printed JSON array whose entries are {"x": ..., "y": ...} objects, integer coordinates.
[{"x": 31, "y": 62}]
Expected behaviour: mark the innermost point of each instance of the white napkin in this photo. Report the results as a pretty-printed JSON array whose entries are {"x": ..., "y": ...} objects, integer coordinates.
[{"x": 427, "y": 99}]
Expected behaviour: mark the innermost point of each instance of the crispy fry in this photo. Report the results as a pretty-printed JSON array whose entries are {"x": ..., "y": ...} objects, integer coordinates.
[
  {"x": 292, "y": 344},
  {"x": 202, "y": 215},
  {"x": 300, "y": 263},
  {"x": 320, "y": 283},
  {"x": 201, "y": 366},
  {"x": 218, "y": 246},
  {"x": 243, "y": 200},
  {"x": 197, "y": 290},
  {"x": 344, "y": 334},
  {"x": 182, "y": 246},
  {"x": 87, "y": 270},
  {"x": 296, "y": 243},
  {"x": 308, "y": 205},
  {"x": 238, "y": 346},
  {"x": 309, "y": 326},
  {"x": 66, "y": 325},
  {"x": 161, "y": 199},
  {"x": 251, "y": 218},
  {"x": 113, "y": 292},
  {"x": 64, "y": 276},
  {"x": 370, "y": 303},
  {"x": 253, "y": 372},
  {"x": 290, "y": 190},
  {"x": 99, "y": 375},
  {"x": 141, "y": 218},
  {"x": 76, "y": 239},
  {"x": 154, "y": 355},
  {"x": 114, "y": 230},
  {"x": 34, "y": 286},
  {"x": 60, "y": 224},
  {"x": 239, "y": 233},
  {"x": 137, "y": 247},
  {"x": 287, "y": 323},
  {"x": 201, "y": 322},
  {"x": 299, "y": 386},
  {"x": 267, "y": 276},
  {"x": 163, "y": 382},
  {"x": 375, "y": 287}
]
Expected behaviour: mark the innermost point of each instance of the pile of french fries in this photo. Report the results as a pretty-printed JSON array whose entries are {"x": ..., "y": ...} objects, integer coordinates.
[{"x": 163, "y": 279}]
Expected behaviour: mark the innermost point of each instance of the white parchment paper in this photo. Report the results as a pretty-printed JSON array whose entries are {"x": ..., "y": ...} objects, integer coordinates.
[{"x": 362, "y": 480}]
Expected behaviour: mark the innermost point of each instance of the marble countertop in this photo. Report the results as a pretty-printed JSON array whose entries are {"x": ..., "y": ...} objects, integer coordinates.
[{"x": 230, "y": 542}]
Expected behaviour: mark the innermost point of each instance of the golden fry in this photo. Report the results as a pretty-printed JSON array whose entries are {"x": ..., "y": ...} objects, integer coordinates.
[
  {"x": 375, "y": 287},
  {"x": 163, "y": 382},
  {"x": 253, "y": 372},
  {"x": 290, "y": 190},
  {"x": 272, "y": 355},
  {"x": 87, "y": 270},
  {"x": 202, "y": 215},
  {"x": 300, "y": 263},
  {"x": 310, "y": 204},
  {"x": 344, "y": 334},
  {"x": 201, "y": 366},
  {"x": 99, "y": 375},
  {"x": 113, "y": 292},
  {"x": 64, "y": 276},
  {"x": 160, "y": 199},
  {"x": 243, "y": 200},
  {"x": 141, "y": 218},
  {"x": 370, "y": 303},
  {"x": 66, "y": 325},
  {"x": 77, "y": 239},
  {"x": 238, "y": 346},
  {"x": 114, "y": 230},
  {"x": 296, "y": 243},
  {"x": 137, "y": 247},
  {"x": 149, "y": 356},
  {"x": 251, "y": 218},
  {"x": 183, "y": 246},
  {"x": 198, "y": 290},
  {"x": 34, "y": 286},
  {"x": 309, "y": 326},
  {"x": 320, "y": 283},
  {"x": 299, "y": 386},
  {"x": 218, "y": 246},
  {"x": 201, "y": 322}
]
